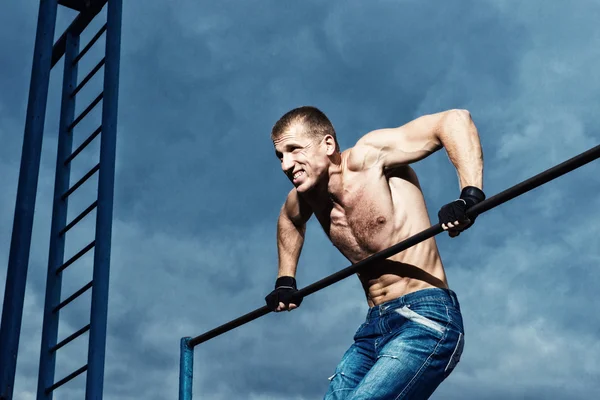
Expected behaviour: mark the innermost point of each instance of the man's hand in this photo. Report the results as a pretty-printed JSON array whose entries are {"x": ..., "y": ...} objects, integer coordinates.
[
  {"x": 284, "y": 296},
  {"x": 453, "y": 216}
]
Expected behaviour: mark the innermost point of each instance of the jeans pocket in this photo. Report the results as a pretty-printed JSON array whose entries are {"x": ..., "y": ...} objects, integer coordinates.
[
  {"x": 415, "y": 317},
  {"x": 455, "y": 357}
]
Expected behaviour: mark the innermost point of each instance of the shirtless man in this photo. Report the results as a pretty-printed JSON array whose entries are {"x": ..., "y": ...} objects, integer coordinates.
[{"x": 367, "y": 198}]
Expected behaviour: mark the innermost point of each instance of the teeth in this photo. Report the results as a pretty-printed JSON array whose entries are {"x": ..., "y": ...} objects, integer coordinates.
[{"x": 297, "y": 174}]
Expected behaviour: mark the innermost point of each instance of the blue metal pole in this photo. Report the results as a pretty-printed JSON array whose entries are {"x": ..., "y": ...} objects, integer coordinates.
[
  {"x": 59, "y": 220},
  {"x": 186, "y": 369},
  {"x": 104, "y": 213},
  {"x": 18, "y": 261}
]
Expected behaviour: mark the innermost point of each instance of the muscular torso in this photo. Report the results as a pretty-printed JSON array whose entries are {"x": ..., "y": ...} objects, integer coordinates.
[{"x": 372, "y": 211}]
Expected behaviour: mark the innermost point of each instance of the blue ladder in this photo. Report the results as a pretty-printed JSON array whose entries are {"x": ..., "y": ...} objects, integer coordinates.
[{"x": 68, "y": 45}]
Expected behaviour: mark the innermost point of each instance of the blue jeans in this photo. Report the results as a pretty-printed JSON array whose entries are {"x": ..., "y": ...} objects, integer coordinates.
[{"x": 405, "y": 348}]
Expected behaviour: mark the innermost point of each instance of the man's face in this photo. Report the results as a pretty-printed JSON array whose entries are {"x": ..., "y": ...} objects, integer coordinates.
[{"x": 304, "y": 160}]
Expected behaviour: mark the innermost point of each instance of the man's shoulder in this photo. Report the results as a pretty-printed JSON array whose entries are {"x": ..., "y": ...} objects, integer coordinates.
[
  {"x": 297, "y": 208},
  {"x": 360, "y": 157}
]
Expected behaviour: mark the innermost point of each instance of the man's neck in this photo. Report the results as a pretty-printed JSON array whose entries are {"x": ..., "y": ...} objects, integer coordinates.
[
  {"x": 334, "y": 183},
  {"x": 328, "y": 190}
]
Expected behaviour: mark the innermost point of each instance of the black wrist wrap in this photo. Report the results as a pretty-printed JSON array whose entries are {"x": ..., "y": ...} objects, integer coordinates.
[
  {"x": 472, "y": 195},
  {"x": 286, "y": 282}
]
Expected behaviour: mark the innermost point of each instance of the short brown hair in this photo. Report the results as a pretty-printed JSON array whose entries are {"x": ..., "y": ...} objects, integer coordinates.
[{"x": 315, "y": 123}]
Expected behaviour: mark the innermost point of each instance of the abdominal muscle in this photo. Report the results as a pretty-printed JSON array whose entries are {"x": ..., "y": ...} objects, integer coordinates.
[{"x": 376, "y": 214}]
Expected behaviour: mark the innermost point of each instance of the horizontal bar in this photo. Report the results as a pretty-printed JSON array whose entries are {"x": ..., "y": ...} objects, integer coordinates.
[
  {"x": 480, "y": 208},
  {"x": 78, "y": 218},
  {"x": 86, "y": 111},
  {"x": 77, "y": 5},
  {"x": 67, "y": 379},
  {"x": 81, "y": 181},
  {"x": 76, "y": 27},
  {"x": 73, "y": 297},
  {"x": 88, "y": 77},
  {"x": 90, "y": 44},
  {"x": 538, "y": 180},
  {"x": 71, "y": 338},
  {"x": 84, "y": 145},
  {"x": 76, "y": 257}
]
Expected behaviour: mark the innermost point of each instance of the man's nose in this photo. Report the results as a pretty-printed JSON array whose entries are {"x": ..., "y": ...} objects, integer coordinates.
[{"x": 287, "y": 163}]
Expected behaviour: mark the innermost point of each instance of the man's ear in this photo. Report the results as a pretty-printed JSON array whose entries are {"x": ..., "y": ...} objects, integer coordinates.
[{"x": 330, "y": 143}]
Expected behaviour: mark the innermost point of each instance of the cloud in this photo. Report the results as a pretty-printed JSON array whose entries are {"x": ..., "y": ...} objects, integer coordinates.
[{"x": 198, "y": 188}]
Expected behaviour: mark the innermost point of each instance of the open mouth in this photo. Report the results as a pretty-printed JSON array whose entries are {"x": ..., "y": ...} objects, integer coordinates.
[{"x": 298, "y": 176}]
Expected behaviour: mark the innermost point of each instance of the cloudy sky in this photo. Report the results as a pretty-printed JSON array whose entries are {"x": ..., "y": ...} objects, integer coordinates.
[{"x": 198, "y": 188}]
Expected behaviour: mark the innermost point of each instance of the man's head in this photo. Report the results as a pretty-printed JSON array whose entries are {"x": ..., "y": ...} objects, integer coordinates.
[{"x": 306, "y": 144}]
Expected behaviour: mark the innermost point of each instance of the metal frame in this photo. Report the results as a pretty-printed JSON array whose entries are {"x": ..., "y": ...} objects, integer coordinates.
[
  {"x": 46, "y": 57},
  {"x": 104, "y": 213},
  {"x": 18, "y": 261},
  {"x": 59, "y": 220}
]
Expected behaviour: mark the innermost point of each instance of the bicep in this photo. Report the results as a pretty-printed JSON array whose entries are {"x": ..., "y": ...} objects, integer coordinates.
[{"x": 394, "y": 147}]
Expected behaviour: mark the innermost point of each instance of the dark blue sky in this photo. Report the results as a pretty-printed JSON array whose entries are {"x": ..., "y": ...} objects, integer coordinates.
[{"x": 198, "y": 188}]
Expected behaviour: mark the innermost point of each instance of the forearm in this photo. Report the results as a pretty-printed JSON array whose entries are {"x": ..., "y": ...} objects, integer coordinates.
[
  {"x": 460, "y": 138},
  {"x": 290, "y": 239}
]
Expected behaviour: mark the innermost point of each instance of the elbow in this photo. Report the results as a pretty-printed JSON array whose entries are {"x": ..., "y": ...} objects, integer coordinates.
[
  {"x": 458, "y": 119},
  {"x": 460, "y": 115}
]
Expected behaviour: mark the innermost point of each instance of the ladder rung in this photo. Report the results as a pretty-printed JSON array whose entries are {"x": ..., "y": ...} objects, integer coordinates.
[
  {"x": 86, "y": 111},
  {"x": 90, "y": 44},
  {"x": 70, "y": 338},
  {"x": 88, "y": 77},
  {"x": 67, "y": 379},
  {"x": 78, "y": 218},
  {"x": 83, "y": 145},
  {"x": 76, "y": 257},
  {"x": 81, "y": 181},
  {"x": 73, "y": 297}
]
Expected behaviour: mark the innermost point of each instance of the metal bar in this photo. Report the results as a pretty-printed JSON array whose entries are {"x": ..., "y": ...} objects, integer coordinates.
[
  {"x": 75, "y": 257},
  {"x": 59, "y": 219},
  {"x": 73, "y": 297},
  {"x": 104, "y": 213},
  {"x": 89, "y": 76},
  {"x": 81, "y": 181},
  {"x": 67, "y": 379},
  {"x": 84, "y": 145},
  {"x": 86, "y": 111},
  {"x": 76, "y": 27},
  {"x": 18, "y": 261},
  {"x": 77, "y": 5},
  {"x": 90, "y": 44},
  {"x": 70, "y": 338},
  {"x": 480, "y": 208},
  {"x": 186, "y": 369},
  {"x": 79, "y": 218}
]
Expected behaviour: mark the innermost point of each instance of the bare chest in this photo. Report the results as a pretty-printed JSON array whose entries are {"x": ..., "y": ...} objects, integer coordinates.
[{"x": 360, "y": 221}]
